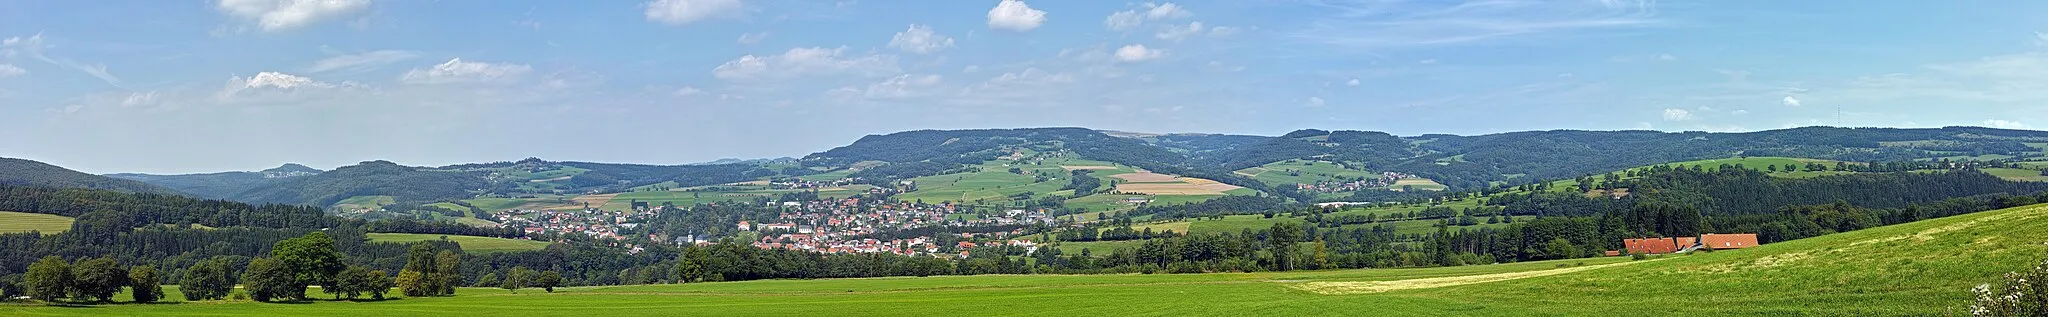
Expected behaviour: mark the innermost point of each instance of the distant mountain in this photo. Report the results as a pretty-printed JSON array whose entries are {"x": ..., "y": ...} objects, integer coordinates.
[
  {"x": 367, "y": 179},
  {"x": 759, "y": 161},
  {"x": 223, "y": 185},
  {"x": 289, "y": 170},
  {"x": 20, "y": 172},
  {"x": 1461, "y": 162}
]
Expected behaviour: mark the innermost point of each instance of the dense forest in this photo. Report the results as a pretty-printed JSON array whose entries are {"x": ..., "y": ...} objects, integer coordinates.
[{"x": 20, "y": 172}]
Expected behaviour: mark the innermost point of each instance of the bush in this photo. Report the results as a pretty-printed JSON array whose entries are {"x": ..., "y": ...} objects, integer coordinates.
[
  {"x": 1638, "y": 257},
  {"x": 2018, "y": 294}
]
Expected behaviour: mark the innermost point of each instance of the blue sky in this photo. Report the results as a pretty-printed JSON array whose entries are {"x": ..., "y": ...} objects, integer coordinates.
[{"x": 199, "y": 86}]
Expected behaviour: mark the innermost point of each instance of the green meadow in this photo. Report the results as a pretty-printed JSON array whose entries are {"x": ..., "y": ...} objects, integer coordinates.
[{"x": 19, "y": 222}]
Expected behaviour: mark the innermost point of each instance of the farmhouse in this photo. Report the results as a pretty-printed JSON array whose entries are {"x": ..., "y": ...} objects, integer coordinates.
[{"x": 1682, "y": 244}]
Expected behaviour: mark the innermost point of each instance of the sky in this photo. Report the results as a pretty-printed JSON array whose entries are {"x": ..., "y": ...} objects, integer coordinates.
[{"x": 203, "y": 86}]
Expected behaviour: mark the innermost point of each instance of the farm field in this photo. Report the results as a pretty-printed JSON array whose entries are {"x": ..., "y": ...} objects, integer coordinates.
[
  {"x": 1419, "y": 184},
  {"x": 737, "y": 193},
  {"x": 364, "y": 202},
  {"x": 470, "y": 244},
  {"x": 1915, "y": 269},
  {"x": 995, "y": 182},
  {"x": 2014, "y": 174},
  {"x": 1303, "y": 172},
  {"x": 20, "y": 222}
]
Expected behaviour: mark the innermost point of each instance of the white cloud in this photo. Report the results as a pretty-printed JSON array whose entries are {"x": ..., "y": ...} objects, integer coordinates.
[
  {"x": 2005, "y": 124},
  {"x": 752, "y": 38},
  {"x": 1675, "y": 114},
  {"x": 1222, "y": 31},
  {"x": 279, "y": 15},
  {"x": 9, "y": 70},
  {"x": 679, "y": 12},
  {"x": 1427, "y": 61},
  {"x": 920, "y": 39},
  {"x": 1315, "y": 101},
  {"x": 1353, "y": 82},
  {"x": 1137, "y": 53},
  {"x": 804, "y": 61},
  {"x": 1379, "y": 25},
  {"x": 458, "y": 71},
  {"x": 901, "y": 86},
  {"x": 687, "y": 91},
  {"x": 1132, "y": 19},
  {"x": 970, "y": 69},
  {"x": 265, "y": 86},
  {"x": 1014, "y": 15},
  {"x": 139, "y": 99},
  {"x": 1667, "y": 57},
  {"x": 1176, "y": 33},
  {"x": 361, "y": 61},
  {"x": 1790, "y": 102},
  {"x": 33, "y": 46},
  {"x": 1739, "y": 112}
]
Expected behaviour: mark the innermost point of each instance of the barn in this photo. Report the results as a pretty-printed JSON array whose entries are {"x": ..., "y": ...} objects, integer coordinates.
[{"x": 1676, "y": 244}]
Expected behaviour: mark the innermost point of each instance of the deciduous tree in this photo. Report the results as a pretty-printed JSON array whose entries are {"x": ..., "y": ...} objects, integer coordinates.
[{"x": 145, "y": 284}]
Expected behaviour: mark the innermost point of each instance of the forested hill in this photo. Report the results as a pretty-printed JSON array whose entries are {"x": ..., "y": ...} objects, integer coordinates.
[
  {"x": 1462, "y": 162},
  {"x": 221, "y": 185},
  {"x": 368, "y": 178},
  {"x": 20, "y": 172}
]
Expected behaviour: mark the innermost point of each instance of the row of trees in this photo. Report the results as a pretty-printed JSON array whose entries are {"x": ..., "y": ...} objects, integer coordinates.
[{"x": 93, "y": 280}]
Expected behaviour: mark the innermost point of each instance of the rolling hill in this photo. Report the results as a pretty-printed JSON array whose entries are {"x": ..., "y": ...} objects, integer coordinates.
[
  {"x": 221, "y": 185},
  {"x": 20, "y": 172}
]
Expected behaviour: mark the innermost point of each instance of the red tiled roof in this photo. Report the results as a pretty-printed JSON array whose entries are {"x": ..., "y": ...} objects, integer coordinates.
[{"x": 1729, "y": 241}]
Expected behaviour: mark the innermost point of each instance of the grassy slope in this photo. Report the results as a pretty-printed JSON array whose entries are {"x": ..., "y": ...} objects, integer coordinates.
[
  {"x": 19, "y": 222},
  {"x": 469, "y": 243},
  {"x": 1304, "y": 172},
  {"x": 2014, "y": 174},
  {"x": 1915, "y": 269}
]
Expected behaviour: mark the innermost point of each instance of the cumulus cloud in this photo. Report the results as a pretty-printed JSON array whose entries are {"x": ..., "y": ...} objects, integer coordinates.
[
  {"x": 263, "y": 84},
  {"x": 901, "y": 86},
  {"x": 1315, "y": 101},
  {"x": 1667, "y": 57},
  {"x": 140, "y": 99},
  {"x": 679, "y": 12},
  {"x": 1353, "y": 82},
  {"x": 361, "y": 61},
  {"x": 1137, "y": 53},
  {"x": 9, "y": 70},
  {"x": 1131, "y": 19},
  {"x": 1791, "y": 102},
  {"x": 1176, "y": 33},
  {"x": 1675, "y": 114},
  {"x": 279, "y": 15},
  {"x": 1739, "y": 112},
  {"x": 458, "y": 71},
  {"x": 1014, "y": 15},
  {"x": 804, "y": 61},
  {"x": 2005, "y": 124},
  {"x": 920, "y": 39}
]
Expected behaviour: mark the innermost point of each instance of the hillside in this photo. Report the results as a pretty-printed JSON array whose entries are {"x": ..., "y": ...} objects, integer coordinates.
[
  {"x": 368, "y": 178},
  {"x": 20, "y": 172},
  {"x": 1864, "y": 273},
  {"x": 221, "y": 185}
]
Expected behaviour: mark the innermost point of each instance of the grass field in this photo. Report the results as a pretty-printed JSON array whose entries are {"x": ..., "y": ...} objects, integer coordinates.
[
  {"x": 19, "y": 222},
  {"x": 1304, "y": 172},
  {"x": 995, "y": 182},
  {"x": 1419, "y": 184},
  {"x": 1916, "y": 269},
  {"x": 469, "y": 243},
  {"x": 2014, "y": 174},
  {"x": 365, "y": 202}
]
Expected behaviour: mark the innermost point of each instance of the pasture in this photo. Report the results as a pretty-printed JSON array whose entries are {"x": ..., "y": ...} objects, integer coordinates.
[
  {"x": 1916, "y": 269},
  {"x": 1304, "y": 172},
  {"x": 20, "y": 222},
  {"x": 471, "y": 244},
  {"x": 2018, "y": 175}
]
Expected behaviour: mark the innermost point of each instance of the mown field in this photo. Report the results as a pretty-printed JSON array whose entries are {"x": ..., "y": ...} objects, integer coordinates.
[
  {"x": 471, "y": 244},
  {"x": 1304, "y": 172},
  {"x": 19, "y": 222},
  {"x": 2014, "y": 174},
  {"x": 1916, "y": 269}
]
